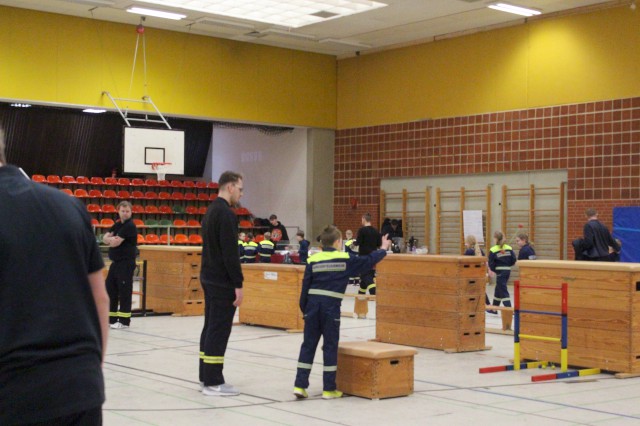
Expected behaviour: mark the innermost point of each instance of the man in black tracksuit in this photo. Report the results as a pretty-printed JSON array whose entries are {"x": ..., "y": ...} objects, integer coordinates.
[
  {"x": 323, "y": 286},
  {"x": 597, "y": 239},
  {"x": 367, "y": 241},
  {"x": 221, "y": 279},
  {"x": 122, "y": 239}
]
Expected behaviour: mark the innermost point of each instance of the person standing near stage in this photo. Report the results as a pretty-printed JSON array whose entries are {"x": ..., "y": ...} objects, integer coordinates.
[
  {"x": 277, "y": 230},
  {"x": 303, "y": 250},
  {"x": 597, "y": 239},
  {"x": 473, "y": 249},
  {"x": 266, "y": 248},
  {"x": 526, "y": 247},
  {"x": 122, "y": 240},
  {"x": 221, "y": 278},
  {"x": 367, "y": 241},
  {"x": 501, "y": 259},
  {"x": 54, "y": 308}
]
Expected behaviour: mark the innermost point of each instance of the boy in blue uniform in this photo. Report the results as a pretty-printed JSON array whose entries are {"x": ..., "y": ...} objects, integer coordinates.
[
  {"x": 250, "y": 249},
  {"x": 303, "y": 251},
  {"x": 266, "y": 248},
  {"x": 323, "y": 286}
]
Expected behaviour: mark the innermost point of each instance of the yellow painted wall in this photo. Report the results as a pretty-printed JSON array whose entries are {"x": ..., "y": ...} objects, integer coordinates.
[
  {"x": 563, "y": 60},
  {"x": 55, "y": 58}
]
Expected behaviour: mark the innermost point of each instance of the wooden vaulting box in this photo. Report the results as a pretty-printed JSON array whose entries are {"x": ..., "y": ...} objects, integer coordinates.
[
  {"x": 272, "y": 295},
  {"x": 603, "y": 313},
  {"x": 434, "y": 302},
  {"x": 173, "y": 279},
  {"x": 375, "y": 370}
]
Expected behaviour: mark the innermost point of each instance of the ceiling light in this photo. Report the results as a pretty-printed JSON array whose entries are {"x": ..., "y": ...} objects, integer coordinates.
[
  {"x": 18, "y": 105},
  {"x": 287, "y": 13},
  {"x": 284, "y": 33},
  {"x": 98, "y": 3},
  {"x": 344, "y": 42},
  {"x": 94, "y": 110},
  {"x": 156, "y": 13},
  {"x": 504, "y": 7}
]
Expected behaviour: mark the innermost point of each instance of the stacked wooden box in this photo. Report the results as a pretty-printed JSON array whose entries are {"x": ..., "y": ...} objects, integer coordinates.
[
  {"x": 173, "y": 279},
  {"x": 434, "y": 302},
  {"x": 272, "y": 295},
  {"x": 603, "y": 313}
]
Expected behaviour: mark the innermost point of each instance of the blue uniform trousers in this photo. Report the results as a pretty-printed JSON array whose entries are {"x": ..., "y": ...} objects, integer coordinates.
[
  {"x": 502, "y": 292},
  {"x": 321, "y": 319}
]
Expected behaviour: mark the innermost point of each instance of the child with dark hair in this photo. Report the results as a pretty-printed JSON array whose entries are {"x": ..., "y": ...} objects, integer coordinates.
[
  {"x": 501, "y": 259},
  {"x": 303, "y": 251},
  {"x": 526, "y": 248},
  {"x": 323, "y": 286}
]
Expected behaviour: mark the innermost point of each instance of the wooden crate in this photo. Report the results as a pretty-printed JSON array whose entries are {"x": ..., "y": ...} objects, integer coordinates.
[
  {"x": 272, "y": 295},
  {"x": 434, "y": 302},
  {"x": 603, "y": 312},
  {"x": 173, "y": 279},
  {"x": 375, "y": 370}
]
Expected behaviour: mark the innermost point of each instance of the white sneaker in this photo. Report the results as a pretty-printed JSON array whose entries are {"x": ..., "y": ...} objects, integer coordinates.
[
  {"x": 116, "y": 325},
  {"x": 220, "y": 390}
]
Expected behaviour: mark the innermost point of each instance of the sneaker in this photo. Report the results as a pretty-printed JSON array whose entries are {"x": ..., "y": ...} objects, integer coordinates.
[
  {"x": 116, "y": 325},
  {"x": 300, "y": 393},
  {"x": 331, "y": 394},
  {"x": 220, "y": 390}
]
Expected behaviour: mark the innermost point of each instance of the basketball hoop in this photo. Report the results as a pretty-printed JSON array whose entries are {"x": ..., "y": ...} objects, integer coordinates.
[{"x": 159, "y": 169}]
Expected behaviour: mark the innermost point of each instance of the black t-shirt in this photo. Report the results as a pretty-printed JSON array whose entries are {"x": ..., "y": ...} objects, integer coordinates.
[
  {"x": 368, "y": 240},
  {"x": 126, "y": 250},
  {"x": 50, "y": 339}
]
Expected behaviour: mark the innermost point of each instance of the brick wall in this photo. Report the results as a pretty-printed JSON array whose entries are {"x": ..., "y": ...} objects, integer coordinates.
[{"x": 598, "y": 143}]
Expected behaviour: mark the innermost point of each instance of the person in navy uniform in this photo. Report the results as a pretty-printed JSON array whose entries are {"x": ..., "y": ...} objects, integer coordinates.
[
  {"x": 323, "y": 286},
  {"x": 266, "y": 248},
  {"x": 303, "y": 251},
  {"x": 597, "y": 239},
  {"x": 501, "y": 259},
  {"x": 241, "y": 242},
  {"x": 250, "y": 249},
  {"x": 526, "y": 248},
  {"x": 367, "y": 241},
  {"x": 473, "y": 249}
]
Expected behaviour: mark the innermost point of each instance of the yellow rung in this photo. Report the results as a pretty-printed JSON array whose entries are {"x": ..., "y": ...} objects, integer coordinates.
[
  {"x": 588, "y": 371},
  {"x": 547, "y": 339}
]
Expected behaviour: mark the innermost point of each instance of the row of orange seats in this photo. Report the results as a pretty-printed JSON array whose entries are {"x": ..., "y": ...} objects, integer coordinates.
[
  {"x": 178, "y": 223},
  {"x": 82, "y": 180},
  {"x": 149, "y": 195},
  {"x": 194, "y": 239},
  {"x": 110, "y": 208}
]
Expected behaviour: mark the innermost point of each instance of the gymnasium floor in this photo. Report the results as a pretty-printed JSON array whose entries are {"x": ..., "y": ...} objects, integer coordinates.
[{"x": 151, "y": 379}]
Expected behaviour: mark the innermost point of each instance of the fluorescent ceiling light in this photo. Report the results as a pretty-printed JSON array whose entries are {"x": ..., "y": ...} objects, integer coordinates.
[
  {"x": 105, "y": 3},
  {"x": 504, "y": 7},
  {"x": 287, "y": 13},
  {"x": 18, "y": 105},
  {"x": 156, "y": 13},
  {"x": 344, "y": 42},
  {"x": 284, "y": 33},
  {"x": 94, "y": 110}
]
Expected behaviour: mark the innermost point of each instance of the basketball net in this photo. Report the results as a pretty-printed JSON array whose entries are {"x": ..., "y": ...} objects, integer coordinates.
[{"x": 159, "y": 169}]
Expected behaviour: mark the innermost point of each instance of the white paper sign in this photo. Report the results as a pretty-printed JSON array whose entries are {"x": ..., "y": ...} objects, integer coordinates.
[
  {"x": 271, "y": 276},
  {"x": 472, "y": 224}
]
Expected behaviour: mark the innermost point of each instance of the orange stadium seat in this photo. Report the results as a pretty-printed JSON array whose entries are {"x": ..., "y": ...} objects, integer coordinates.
[
  {"x": 195, "y": 239},
  {"x": 188, "y": 184},
  {"x": 124, "y": 182},
  {"x": 151, "y": 239},
  {"x": 202, "y": 210},
  {"x": 190, "y": 196},
  {"x": 181, "y": 239},
  {"x": 164, "y": 195},
  {"x": 94, "y": 193},
  {"x": 150, "y": 195},
  {"x": 245, "y": 224},
  {"x": 164, "y": 183},
  {"x": 38, "y": 178},
  {"x": 193, "y": 223},
  {"x": 94, "y": 222},
  {"x": 213, "y": 196},
  {"x": 110, "y": 193},
  {"x": 96, "y": 181},
  {"x": 165, "y": 210},
  {"x": 109, "y": 208},
  {"x": 110, "y": 181},
  {"x": 203, "y": 196},
  {"x": 151, "y": 210},
  {"x": 164, "y": 239},
  {"x": 212, "y": 185},
  {"x": 81, "y": 193},
  {"x": 53, "y": 179},
  {"x": 68, "y": 179},
  {"x": 138, "y": 223},
  {"x": 176, "y": 184},
  {"x": 83, "y": 180},
  {"x": 151, "y": 182},
  {"x": 137, "y": 182},
  {"x": 123, "y": 194},
  {"x": 67, "y": 191},
  {"x": 191, "y": 210},
  {"x": 106, "y": 223},
  {"x": 137, "y": 194},
  {"x": 179, "y": 223},
  {"x": 201, "y": 185},
  {"x": 177, "y": 196},
  {"x": 93, "y": 208},
  {"x": 140, "y": 239},
  {"x": 137, "y": 208}
]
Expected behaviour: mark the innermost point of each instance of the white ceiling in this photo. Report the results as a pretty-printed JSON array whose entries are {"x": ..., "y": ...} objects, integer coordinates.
[{"x": 402, "y": 22}]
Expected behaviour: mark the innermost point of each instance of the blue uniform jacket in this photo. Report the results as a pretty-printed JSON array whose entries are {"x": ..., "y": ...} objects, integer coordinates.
[
  {"x": 526, "y": 253},
  {"x": 501, "y": 258},
  {"x": 327, "y": 273}
]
